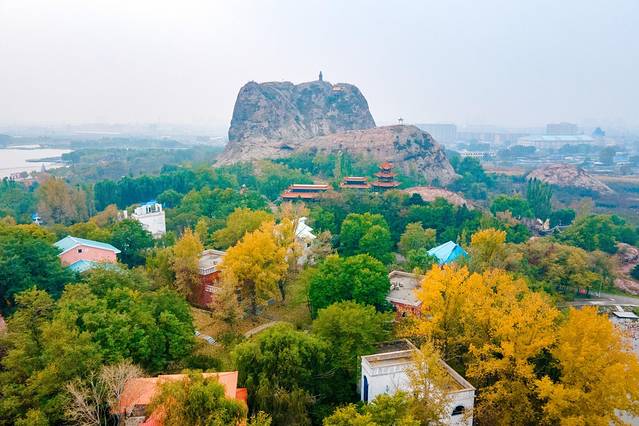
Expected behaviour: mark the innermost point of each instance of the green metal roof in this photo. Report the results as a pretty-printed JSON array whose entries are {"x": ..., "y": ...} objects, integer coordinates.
[{"x": 67, "y": 243}]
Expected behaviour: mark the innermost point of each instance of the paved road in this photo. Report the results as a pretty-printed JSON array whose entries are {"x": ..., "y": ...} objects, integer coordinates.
[
  {"x": 607, "y": 299},
  {"x": 259, "y": 328}
]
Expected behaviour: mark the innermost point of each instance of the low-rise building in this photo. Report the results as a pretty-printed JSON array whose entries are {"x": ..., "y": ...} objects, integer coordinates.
[
  {"x": 385, "y": 372},
  {"x": 209, "y": 284},
  {"x": 355, "y": 182},
  {"x": 81, "y": 254},
  {"x": 304, "y": 237},
  {"x": 447, "y": 253},
  {"x": 151, "y": 216},
  {"x": 402, "y": 293},
  {"x": 139, "y": 392},
  {"x": 307, "y": 192}
]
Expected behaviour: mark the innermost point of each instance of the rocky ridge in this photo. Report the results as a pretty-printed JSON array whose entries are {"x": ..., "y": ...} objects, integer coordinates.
[
  {"x": 275, "y": 120},
  {"x": 569, "y": 176},
  {"x": 410, "y": 149},
  {"x": 283, "y": 110}
]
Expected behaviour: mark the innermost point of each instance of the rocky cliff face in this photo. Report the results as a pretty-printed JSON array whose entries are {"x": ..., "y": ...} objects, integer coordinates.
[
  {"x": 283, "y": 110},
  {"x": 409, "y": 148},
  {"x": 569, "y": 176}
]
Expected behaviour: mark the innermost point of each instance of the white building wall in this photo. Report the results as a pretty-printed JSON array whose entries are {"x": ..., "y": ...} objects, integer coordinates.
[
  {"x": 390, "y": 380},
  {"x": 154, "y": 221}
]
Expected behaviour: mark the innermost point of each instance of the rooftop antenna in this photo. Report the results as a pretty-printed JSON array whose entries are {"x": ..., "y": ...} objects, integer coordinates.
[{"x": 321, "y": 77}]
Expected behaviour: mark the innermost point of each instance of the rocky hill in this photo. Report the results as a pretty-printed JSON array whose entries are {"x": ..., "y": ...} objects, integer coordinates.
[
  {"x": 274, "y": 120},
  {"x": 283, "y": 110},
  {"x": 409, "y": 148},
  {"x": 569, "y": 176}
]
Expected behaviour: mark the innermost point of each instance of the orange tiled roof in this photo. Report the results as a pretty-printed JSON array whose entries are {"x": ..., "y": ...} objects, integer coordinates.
[
  {"x": 385, "y": 184},
  {"x": 140, "y": 391}
]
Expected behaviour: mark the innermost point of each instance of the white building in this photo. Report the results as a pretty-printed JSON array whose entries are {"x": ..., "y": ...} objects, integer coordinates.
[
  {"x": 151, "y": 216},
  {"x": 304, "y": 237},
  {"x": 555, "y": 141},
  {"x": 562, "y": 128},
  {"x": 385, "y": 373}
]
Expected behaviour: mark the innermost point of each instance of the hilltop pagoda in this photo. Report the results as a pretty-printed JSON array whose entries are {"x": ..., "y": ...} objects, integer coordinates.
[{"x": 385, "y": 177}]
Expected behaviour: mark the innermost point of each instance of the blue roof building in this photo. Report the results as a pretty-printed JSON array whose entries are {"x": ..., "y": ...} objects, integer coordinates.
[
  {"x": 69, "y": 242},
  {"x": 447, "y": 252}
]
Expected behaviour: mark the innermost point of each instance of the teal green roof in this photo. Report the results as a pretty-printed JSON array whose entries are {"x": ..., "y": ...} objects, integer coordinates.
[
  {"x": 447, "y": 252},
  {"x": 67, "y": 243},
  {"x": 86, "y": 265}
]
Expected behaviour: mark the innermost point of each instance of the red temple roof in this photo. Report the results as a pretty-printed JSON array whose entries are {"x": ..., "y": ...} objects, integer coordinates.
[{"x": 386, "y": 165}]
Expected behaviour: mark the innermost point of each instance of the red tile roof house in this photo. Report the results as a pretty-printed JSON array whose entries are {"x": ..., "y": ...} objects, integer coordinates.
[
  {"x": 78, "y": 253},
  {"x": 138, "y": 394}
]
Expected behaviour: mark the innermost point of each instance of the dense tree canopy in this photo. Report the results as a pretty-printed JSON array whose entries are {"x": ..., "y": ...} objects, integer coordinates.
[
  {"x": 351, "y": 330},
  {"x": 283, "y": 371},
  {"x": 360, "y": 278},
  {"x": 28, "y": 259},
  {"x": 106, "y": 319}
]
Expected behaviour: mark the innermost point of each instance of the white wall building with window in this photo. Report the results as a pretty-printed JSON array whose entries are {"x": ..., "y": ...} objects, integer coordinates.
[
  {"x": 385, "y": 373},
  {"x": 151, "y": 216}
]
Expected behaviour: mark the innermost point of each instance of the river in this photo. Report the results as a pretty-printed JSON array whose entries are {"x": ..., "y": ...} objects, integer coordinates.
[{"x": 14, "y": 159}]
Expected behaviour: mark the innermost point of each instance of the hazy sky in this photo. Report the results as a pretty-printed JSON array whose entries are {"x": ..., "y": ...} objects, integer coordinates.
[{"x": 514, "y": 63}]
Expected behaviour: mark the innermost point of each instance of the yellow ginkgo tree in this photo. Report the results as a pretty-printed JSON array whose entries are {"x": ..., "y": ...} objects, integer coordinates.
[{"x": 255, "y": 265}]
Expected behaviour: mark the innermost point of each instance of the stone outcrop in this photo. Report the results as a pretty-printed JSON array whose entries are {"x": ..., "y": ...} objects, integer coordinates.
[
  {"x": 430, "y": 193},
  {"x": 569, "y": 176},
  {"x": 275, "y": 120},
  {"x": 410, "y": 149},
  {"x": 283, "y": 110}
]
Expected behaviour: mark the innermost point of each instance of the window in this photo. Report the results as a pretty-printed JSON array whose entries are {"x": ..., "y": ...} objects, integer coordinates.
[
  {"x": 459, "y": 410},
  {"x": 209, "y": 288},
  {"x": 79, "y": 250},
  {"x": 365, "y": 389}
]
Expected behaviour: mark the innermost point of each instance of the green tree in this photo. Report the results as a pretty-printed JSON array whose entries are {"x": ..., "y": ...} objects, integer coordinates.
[
  {"x": 377, "y": 243},
  {"x": 383, "y": 410},
  {"x": 197, "y": 401},
  {"x": 599, "y": 232},
  {"x": 351, "y": 330},
  {"x": 282, "y": 370},
  {"x": 133, "y": 240},
  {"x": 360, "y": 278},
  {"x": 354, "y": 227},
  {"x": 415, "y": 237},
  {"x": 516, "y": 205},
  {"x": 27, "y": 259},
  {"x": 539, "y": 195}
]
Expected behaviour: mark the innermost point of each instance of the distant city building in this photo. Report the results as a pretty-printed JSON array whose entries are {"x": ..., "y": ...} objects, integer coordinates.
[
  {"x": 80, "y": 254},
  {"x": 151, "y": 216},
  {"x": 385, "y": 372},
  {"x": 443, "y": 133},
  {"x": 554, "y": 141},
  {"x": 385, "y": 177},
  {"x": 355, "y": 182},
  {"x": 480, "y": 155},
  {"x": 304, "y": 192},
  {"x": 561, "y": 129},
  {"x": 598, "y": 133}
]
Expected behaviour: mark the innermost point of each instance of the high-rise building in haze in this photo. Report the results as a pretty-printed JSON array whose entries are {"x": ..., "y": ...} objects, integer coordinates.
[
  {"x": 443, "y": 133},
  {"x": 561, "y": 129}
]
